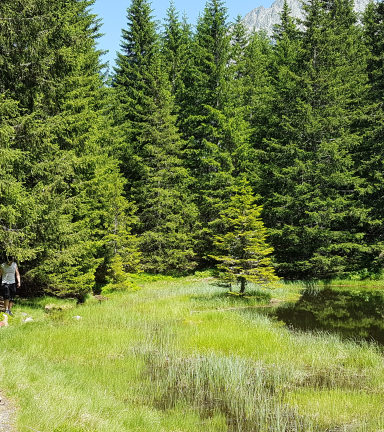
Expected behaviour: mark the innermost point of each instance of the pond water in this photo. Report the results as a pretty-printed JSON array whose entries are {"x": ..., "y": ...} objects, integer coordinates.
[{"x": 352, "y": 313}]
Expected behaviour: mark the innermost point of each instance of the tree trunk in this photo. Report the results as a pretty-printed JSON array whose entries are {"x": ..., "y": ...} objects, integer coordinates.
[{"x": 242, "y": 286}]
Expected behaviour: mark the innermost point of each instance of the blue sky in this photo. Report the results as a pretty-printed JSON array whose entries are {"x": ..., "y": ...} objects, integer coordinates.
[{"x": 113, "y": 14}]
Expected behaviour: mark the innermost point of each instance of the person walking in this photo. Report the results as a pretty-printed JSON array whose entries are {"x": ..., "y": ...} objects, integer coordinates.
[{"x": 9, "y": 273}]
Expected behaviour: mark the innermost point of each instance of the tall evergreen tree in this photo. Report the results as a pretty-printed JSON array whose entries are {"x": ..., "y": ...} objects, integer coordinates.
[
  {"x": 18, "y": 210},
  {"x": 160, "y": 183},
  {"x": 167, "y": 213},
  {"x": 369, "y": 159},
  {"x": 287, "y": 27},
  {"x": 373, "y": 37},
  {"x": 207, "y": 122},
  {"x": 139, "y": 45},
  {"x": 311, "y": 188},
  {"x": 259, "y": 95},
  {"x": 176, "y": 45},
  {"x": 53, "y": 73},
  {"x": 236, "y": 109}
]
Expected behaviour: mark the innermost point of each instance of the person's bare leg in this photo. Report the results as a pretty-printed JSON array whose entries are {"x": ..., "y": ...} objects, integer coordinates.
[
  {"x": 10, "y": 305},
  {"x": 6, "y": 304}
]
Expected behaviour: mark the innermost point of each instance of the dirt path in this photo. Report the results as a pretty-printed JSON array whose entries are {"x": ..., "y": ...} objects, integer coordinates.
[{"x": 7, "y": 415}]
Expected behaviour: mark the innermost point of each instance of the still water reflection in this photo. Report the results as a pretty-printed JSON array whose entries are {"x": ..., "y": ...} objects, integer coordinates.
[{"x": 357, "y": 314}]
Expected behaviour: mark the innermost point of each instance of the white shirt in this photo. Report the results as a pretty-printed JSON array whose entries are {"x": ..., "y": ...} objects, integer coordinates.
[{"x": 9, "y": 273}]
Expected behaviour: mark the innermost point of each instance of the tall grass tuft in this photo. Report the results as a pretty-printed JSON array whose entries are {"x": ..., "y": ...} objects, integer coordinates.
[{"x": 247, "y": 393}]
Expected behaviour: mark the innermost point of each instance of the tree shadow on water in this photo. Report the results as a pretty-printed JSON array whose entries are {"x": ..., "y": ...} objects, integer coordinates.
[{"x": 350, "y": 313}]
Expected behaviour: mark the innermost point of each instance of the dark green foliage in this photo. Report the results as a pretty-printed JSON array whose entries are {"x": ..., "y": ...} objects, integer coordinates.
[
  {"x": 369, "y": 159},
  {"x": 176, "y": 51},
  {"x": 167, "y": 214},
  {"x": 236, "y": 126},
  {"x": 18, "y": 209},
  {"x": 373, "y": 37},
  {"x": 287, "y": 28},
  {"x": 158, "y": 181},
  {"x": 130, "y": 81},
  {"x": 63, "y": 139},
  {"x": 258, "y": 97},
  {"x": 139, "y": 46},
  {"x": 286, "y": 64},
  {"x": 212, "y": 121},
  {"x": 310, "y": 185},
  {"x": 113, "y": 217},
  {"x": 301, "y": 104},
  {"x": 189, "y": 118}
]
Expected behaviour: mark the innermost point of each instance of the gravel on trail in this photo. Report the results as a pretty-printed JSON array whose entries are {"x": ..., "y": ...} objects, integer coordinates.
[{"x": 7, "y": 415}]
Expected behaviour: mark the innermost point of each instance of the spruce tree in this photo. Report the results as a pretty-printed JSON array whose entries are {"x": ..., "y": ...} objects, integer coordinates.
[
  {"x": 160, "y": 184},
  {"x": 373, "y": 38},
  {"x": 311, "y": 188},
  {"x": 211, "y": 124},
  {"x": 53, "y": 73},
  {"x": 369, "y": 159},
  {"x": 118, "y": 246},
  {"x": 175, "y": 48},
  {"x": 167, "y": 214},
  {"x": 139, "y": 46},
  {"x": 258, "y": 98},
  {"x": 287, "y": 27},
  {"x": 236, "y": 109},
  {"x": 18, "y": 210}
]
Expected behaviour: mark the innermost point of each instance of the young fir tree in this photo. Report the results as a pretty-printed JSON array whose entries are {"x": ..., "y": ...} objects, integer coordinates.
[
  {"x": 160, "y": 185},
  {"x": 310, "y": 185},
  {"x": 245, "y": 250},
  {"x": 119, "y": 246},
  {"x": 53, "y": 72}
]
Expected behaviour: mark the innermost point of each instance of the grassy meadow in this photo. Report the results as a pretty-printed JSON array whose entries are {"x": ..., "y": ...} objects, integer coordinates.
[{"x": 184, "y": 355}]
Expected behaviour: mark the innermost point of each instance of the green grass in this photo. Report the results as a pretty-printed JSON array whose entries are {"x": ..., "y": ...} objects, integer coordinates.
[
  {"x": 183, "y": 355},
  {"x": 347, "y": 283}
]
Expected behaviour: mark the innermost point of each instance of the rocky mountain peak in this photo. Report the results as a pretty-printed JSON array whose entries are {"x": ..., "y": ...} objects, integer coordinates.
[{"x": 265, "y": 18}]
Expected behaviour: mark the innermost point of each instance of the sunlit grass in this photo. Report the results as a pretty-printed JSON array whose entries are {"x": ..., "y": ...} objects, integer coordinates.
[
  {"x": 338, "y": 406},
  {"x": 184, "y": 355},
  {"x": 350, "y": 283}
]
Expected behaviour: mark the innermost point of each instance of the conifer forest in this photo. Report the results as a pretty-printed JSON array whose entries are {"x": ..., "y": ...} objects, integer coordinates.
[{"x": 204, "y": 145}]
